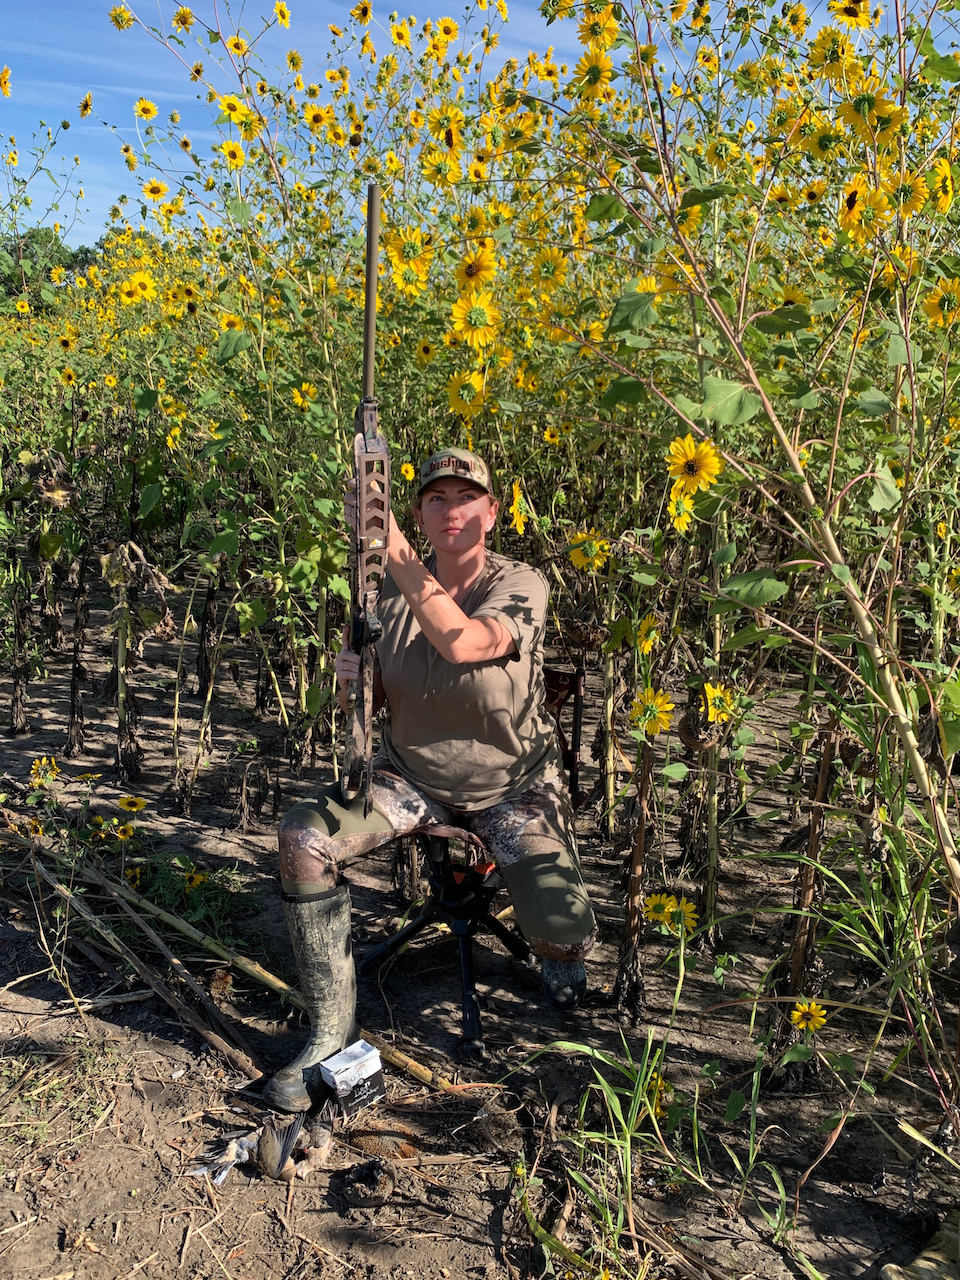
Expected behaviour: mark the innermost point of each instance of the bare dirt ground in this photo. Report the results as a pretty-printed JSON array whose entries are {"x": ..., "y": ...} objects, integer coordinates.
[{"x": 108, "y": 1099}]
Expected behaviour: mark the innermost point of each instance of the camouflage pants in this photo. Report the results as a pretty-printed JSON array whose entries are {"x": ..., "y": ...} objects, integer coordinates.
[{"x": 531, "y": 838}]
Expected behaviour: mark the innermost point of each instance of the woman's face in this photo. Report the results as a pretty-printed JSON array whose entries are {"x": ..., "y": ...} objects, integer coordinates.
[{"x": 455, "y": 515}]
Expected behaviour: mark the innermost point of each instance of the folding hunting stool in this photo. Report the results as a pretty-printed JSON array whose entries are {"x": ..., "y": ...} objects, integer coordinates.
[{"x": 462, "y": 892}]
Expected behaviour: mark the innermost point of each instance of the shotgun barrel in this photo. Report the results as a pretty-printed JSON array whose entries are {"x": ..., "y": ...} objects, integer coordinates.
[{"x": 368, "y": 544}]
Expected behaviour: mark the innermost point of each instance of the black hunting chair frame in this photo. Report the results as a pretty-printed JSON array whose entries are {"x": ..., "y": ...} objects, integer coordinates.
[{"x": 462, "y": 892}]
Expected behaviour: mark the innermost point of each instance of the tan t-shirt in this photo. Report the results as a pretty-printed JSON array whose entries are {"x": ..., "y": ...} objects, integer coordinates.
[{"x": 470, "y": 734}]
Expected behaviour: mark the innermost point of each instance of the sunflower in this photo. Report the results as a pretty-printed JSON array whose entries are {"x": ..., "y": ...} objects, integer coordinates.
[
  {"x": 851, "y": 204},
  {"x": 133, "y": 876},
  {"x": 722, "y": 152},
  {"x": 832, "y": 54},
  {"x": 121, "y": 17},
  {"x": 85, "y": 106},
  {"x": 652, "y": 711},
  {"x": 466, "y": 394},
  {"x": 941, "y": 187},
  {"x": 592, "y": 74},
  {"x": 68, "y": 377},
  {"x": 694, "y": 464},
  {"x": 824, "y": 140},
  {"x": 155, "y": 189},
  {"x": 281, "y": 13},
  {"x": 908, "y": 192},
  {"x": 551, "y": 435},
  {"x": 129, "y": 292},
  {"x": 126, "y": 831},
  {"x": 477, "y": 267},
  {"x": 549, "y": 269},
  {"x": 145, "y": 285},
  {"x": 718, "y": 702},
  {"x": 408, "y": 245},
  {"x": 700, "y": 16},
  {"x": 426, "y": 351},
  {"x": 812, "y": 192},
  {"x": 943, "y": 305},
  {"x": 658, "y": 906},
  {"x": 400, "y": 35},
  {"x": 680, "y": 508},
  {"x": 409, "y": 281},
  {"x": 683, "y": 917},
  {"x": 657, "y": 1088},
  {"x": 182, "y": 20},
  {"x": 193, "y": 879},
  {"x": 229, "y": 322},
  {"x": 362, "y": 12},
  {"x": 132, "y": 804},
  {"x": 875, "y": 216},
  {"x": 442, "y": 168},
  {"x": 232, "y": 106},
  {"x": 808, "y": 1015},
  {"x": 854, "y": 14},
  {"x": 445, "y": 121},
  {"x": 782, "y": 197},
  {"x": 5, "y": 82},
  {"x": 237, "y": 46},
  {"x": 316, "y": 117},
  {"x": 43, "y": 770},
  {"x": 407, "y": 471},
  {"x": 589, "y": 550},
  {"x": 688, "y": 219},
  {"x": 476, "y": 319},
  {"x": 648, "y": 633},
  {"x": 233, "y": 154},
  {"x": 598, "y": 30},
  {"x": 518, "y": 509},
  {"x": 795, "y": 17},
  {"x": 144, "y": 109}
]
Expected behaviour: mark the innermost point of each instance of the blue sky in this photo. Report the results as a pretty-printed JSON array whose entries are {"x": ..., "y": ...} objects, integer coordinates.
[{"x": 59, "y": 50}]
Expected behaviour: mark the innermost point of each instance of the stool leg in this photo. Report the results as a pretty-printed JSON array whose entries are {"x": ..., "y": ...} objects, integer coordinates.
[{"x": 472, "y": 1046}]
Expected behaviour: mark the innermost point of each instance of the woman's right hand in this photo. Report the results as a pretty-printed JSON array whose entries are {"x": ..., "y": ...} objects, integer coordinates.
[{"x": 347, "y": 663}]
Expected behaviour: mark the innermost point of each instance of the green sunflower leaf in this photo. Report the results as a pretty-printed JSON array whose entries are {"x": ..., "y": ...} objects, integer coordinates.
[
  {"x": 728, "y": 403},
  {"x": 633, "y": 312},
  {"x": 756, "y": 588}
]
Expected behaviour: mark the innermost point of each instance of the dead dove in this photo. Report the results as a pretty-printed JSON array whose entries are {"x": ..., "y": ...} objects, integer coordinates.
[{"x": 271, "y": 1148}]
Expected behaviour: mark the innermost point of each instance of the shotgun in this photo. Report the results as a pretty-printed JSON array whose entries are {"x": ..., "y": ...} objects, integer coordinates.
[{"x": 368, "y": 546}]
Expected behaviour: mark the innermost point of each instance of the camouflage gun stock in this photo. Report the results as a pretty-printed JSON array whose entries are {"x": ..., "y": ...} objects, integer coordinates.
[{"x": 368, "y": 551}]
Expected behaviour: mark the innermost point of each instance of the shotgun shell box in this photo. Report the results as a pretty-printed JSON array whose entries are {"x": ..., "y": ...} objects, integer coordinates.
[{"x": 355, "y": 1075}]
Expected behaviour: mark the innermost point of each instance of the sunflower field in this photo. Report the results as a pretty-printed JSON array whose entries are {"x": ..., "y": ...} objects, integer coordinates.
[{"x": 693, "y": 295}]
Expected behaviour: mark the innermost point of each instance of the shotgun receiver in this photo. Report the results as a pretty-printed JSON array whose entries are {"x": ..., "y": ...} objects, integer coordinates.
[{"x": 368, "y": 546}]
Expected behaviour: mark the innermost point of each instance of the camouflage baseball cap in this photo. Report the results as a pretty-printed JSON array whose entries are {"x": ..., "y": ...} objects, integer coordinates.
[{"x": 460, "y": 464}]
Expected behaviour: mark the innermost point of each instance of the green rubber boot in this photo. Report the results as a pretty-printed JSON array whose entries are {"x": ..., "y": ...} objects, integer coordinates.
[{"x": 319, "y": 927}]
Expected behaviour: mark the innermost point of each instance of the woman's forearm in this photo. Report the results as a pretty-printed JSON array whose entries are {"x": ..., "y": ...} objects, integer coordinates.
[{"x": 456, "y": 637}]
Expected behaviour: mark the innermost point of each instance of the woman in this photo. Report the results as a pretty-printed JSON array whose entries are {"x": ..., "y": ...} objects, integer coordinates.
[{"x": 467, "y": 741}]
